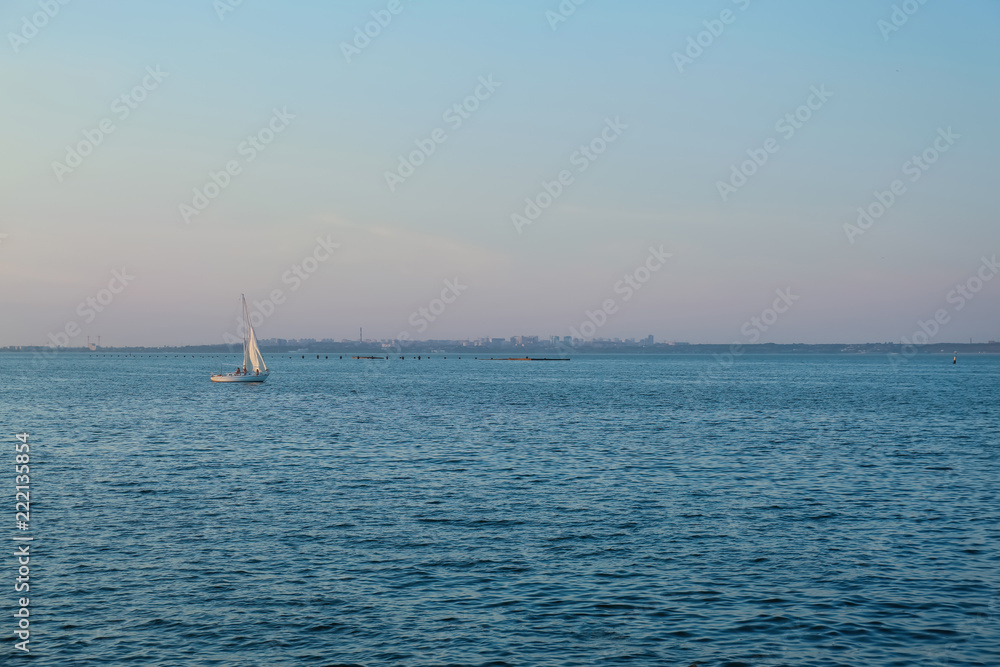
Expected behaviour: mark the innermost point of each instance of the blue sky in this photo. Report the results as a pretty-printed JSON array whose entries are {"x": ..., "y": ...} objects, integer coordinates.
[{"x": 324, "y": 174}]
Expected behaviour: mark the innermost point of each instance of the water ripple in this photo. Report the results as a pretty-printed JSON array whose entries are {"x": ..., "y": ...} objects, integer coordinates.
[{"x": 789, "y": 510}]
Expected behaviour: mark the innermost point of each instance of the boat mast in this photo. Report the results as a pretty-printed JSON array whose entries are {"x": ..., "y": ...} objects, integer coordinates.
[{"x": 246, "y": 331}]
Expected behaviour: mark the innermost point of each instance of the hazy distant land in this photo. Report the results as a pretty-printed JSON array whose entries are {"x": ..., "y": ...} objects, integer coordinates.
[{"x": 535, "y": 348}]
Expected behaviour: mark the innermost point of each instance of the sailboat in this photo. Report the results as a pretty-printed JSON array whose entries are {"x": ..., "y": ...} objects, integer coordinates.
[{"x": 254, "y": 369}]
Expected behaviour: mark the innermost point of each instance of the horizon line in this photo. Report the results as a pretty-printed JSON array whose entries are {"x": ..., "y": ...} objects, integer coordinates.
[{"x": 465, "y": 343}]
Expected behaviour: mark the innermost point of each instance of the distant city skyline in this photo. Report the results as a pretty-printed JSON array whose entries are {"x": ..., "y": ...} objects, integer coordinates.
[
  {"x": 515, "y": 342},
  {"x": 741, "y": 172}
]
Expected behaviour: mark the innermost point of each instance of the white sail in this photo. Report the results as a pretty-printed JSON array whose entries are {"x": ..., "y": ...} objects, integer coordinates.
[
  {"x": 252, "y": 358},
  {"x": 246, "y": 348},
  {"x": 256, "y": 358}
]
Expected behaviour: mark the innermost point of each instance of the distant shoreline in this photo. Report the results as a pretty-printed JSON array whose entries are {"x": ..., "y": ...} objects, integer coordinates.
[{"x": 453, "y": 347}]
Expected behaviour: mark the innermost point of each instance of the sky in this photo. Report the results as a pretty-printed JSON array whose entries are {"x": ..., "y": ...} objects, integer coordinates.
[{"x": 690, "y": 170}]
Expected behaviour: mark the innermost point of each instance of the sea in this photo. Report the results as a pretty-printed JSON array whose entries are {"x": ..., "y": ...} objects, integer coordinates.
[{"x": 608, "y": 510}]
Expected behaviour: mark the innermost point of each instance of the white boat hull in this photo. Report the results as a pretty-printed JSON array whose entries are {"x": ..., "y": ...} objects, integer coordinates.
[{"x": 232, "y": 377}]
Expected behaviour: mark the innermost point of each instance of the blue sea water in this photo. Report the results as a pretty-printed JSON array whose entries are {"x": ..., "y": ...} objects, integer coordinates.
[{"x": 642, "y": 510}]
